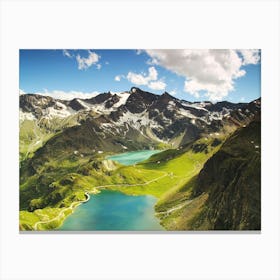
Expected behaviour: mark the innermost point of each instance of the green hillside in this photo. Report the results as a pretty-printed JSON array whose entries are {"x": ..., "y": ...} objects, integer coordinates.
[
  {"x": 226, "y": 192},
  {"x": 56, "y": 185}
]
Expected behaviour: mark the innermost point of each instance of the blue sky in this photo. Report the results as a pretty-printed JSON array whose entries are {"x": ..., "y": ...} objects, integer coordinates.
[{"x": 192, "y": 75}]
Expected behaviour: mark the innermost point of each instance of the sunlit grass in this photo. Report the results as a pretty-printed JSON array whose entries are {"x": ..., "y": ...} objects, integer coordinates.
[{"x": 164, "y": 176}]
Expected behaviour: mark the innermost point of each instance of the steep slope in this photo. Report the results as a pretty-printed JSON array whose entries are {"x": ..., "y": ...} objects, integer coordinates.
[
  {"x": 42, "y": 117},
  {"x": 226, "y": 193},
  {"x": 232, "y": 179},
  {"x": 88, "y": 139}
]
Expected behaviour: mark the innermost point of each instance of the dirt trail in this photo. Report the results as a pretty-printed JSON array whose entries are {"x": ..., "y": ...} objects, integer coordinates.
[{"x": 167, "y": 212}]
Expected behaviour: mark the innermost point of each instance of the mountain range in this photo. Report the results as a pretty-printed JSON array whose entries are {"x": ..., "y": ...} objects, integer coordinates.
[
  {"x": 137, "y": 114},
  {"x": 53, "y": 132}
]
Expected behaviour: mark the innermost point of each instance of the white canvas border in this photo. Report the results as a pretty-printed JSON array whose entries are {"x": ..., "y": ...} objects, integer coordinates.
[{"x": 143, "y": 24}]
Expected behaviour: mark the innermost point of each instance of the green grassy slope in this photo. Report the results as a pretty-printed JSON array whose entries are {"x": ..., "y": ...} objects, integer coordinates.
[
  {"x": 59, "y": 182},
  {"x": 31, "y": 137},
  {"x": 35, "y": 133}
]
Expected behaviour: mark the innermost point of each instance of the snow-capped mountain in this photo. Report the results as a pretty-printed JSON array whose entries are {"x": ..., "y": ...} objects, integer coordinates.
[{"x": 132, "y": 119}]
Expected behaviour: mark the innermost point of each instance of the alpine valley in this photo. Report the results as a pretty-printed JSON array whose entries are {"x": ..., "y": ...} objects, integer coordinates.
[{"x": 204, "y": 174}]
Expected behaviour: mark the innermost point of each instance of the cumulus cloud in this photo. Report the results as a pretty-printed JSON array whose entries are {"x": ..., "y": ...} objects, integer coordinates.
[
  {"x": 250, "y": 56},
  {"x": 149, "y": 79},
  {"x": 209, "y": 72},
  {"x": 139, "y": 79},
  {"x": 152, "y": 74},
  {"x": 86, "y": 62},
  {"x": 158, "y": 85},
  {"x": 67, "y": 95}
]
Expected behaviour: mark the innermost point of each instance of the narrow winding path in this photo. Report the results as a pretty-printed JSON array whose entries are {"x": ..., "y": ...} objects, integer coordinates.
[{"x": 167, "y": 212}]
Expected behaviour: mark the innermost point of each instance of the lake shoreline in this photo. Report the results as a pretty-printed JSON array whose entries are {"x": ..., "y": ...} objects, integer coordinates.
[
  {"x": 114, "y": 210},
  {"x": 63, "y": 215}
]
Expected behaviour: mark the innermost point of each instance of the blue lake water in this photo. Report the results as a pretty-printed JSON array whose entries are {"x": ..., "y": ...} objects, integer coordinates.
[
  {"x": 112, "y": 210},
  {"x": 131, "y": 158}
]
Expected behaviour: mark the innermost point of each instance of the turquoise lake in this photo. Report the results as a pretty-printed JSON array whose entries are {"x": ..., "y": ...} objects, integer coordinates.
[
  {"x": 131, "y": 158},
  {"x": 112, "y": 210}
]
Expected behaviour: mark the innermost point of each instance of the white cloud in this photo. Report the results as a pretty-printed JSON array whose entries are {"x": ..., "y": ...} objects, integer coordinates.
[
  {"x": 214, "y": 92},
  {"x": 86, "y": 62},
  {"x": 173, "y": 92},
  {"x": 210, "y": 71},
  {"x": 158, "y": 85},
  {"x": 118, "y": 78},
  {"x": 250, "y": 56},
  {"x": 143, "y": 79},
  {"x": 149, "y": 79},
  {"x": 67, "y": 53},
  {"x": 64, "y": 95},
  {"x": 137, "y": 79},
  {"x": 152, "y": 74},
  {"x": 152, "y": 61}
]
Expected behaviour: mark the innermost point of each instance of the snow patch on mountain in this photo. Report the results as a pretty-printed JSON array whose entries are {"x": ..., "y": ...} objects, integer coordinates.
[
  {"x": 197, "y": 106},
  {"x": 86, "y": 105},
  {"x": 171, "y": 105},
  {"x": 123, "y": 98},
  {"x": 136, "y": 120},
  {"x": 186, "y": 113},
  {"x": 101, "y": 108},
  {"x": 26, "y": 116},
  {"x": 58, "y": 111}
]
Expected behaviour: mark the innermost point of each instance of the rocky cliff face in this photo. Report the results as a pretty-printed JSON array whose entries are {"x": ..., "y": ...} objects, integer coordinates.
[{"x": 232, "y": 179}]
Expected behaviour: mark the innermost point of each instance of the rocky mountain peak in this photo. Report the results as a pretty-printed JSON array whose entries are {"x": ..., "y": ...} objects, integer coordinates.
[
  {"x": 30, "y": 102},
  {"x": 140, "y": 100},
  {"x": 112, "y": 100},
  {"x": 168, "y": 96},
  {"x": 76, "y": 105}
]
